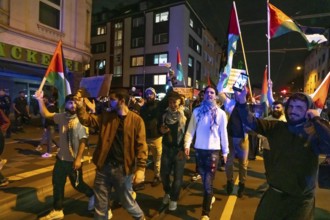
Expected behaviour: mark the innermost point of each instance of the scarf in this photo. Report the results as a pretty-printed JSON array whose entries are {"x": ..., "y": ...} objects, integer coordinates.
[
  {"x": 205, "y": 108},
  {"x": 171, "y": 117}
]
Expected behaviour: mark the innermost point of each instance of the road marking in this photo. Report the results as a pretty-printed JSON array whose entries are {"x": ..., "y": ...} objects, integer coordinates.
[
  {"x": 21, "y": 176},
  {"x": 230, "y": 204}
]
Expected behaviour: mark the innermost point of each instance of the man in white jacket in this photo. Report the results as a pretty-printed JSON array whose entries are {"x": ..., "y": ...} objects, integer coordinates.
[{"x": 209, "y": 124}]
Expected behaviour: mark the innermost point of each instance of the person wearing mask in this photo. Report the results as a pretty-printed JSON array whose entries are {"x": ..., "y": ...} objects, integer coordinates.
[
  {"x": 121, "y": 153},
  {"x": 291, "y": 161},
  {"x": 72, "y": 142},
  {"x": 209, "y": 123}
]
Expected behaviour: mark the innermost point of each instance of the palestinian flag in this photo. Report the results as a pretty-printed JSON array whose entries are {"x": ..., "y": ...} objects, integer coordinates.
[
  {"x": 279, "y": 24},
  {"x": 233, "y": 37},
  {"x": 56, "y": 75}
]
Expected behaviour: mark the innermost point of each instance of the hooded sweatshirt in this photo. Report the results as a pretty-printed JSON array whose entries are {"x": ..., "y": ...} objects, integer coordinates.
[{"x": 291, "y": 162}]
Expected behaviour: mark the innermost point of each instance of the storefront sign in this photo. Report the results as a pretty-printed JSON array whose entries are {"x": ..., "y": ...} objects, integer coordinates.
[{"x": 33, "y": 57}]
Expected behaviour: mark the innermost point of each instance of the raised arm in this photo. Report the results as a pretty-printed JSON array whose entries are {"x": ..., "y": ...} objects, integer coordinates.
[{"x": 43, "y": 109}]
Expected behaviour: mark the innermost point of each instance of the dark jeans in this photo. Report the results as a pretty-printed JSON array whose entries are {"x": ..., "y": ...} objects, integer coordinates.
[
  {"x": 207, "y": 162},
  {"x": 282, "y": 206},
  {"x": 172, "y": 160},
  {"x": 63, "y": 169}
]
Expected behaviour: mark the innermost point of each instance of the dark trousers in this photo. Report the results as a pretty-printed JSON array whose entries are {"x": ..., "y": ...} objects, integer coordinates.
[
  {"x": 282, "y": 206},
  {"x": 172, "y": 160},
  {"x": 207, "y": 161},
  {"x": 63, "y": 169}
]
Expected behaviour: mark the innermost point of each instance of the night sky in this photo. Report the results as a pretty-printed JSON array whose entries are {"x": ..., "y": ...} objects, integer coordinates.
[{"x": 287, "y": 51}]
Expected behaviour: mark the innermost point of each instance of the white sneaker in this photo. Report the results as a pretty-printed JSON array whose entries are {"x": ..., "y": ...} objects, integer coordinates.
[
  {"x": 196, "y": 177},
  {"x": 172, "y": 206},
  {"x": 166, "y": 199},
  {"x": 109, "y": 214},
  {"x": 39, "y": 148},
  {"x": 213, "y": 200},
  {"x": 205, "y": 217},
  {"x": 54, "y": 214},
  {"x": 2, "y": 163},
  {"x": 91, "y": 203},
  {"x": 46, "y": 155}
]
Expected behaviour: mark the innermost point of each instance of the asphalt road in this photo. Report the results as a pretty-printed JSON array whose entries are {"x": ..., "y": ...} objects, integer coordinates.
[{"x": 22, "y": 145}]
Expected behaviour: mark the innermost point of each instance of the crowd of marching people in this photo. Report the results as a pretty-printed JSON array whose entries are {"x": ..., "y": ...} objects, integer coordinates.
[{"x": 216, "y": 129}]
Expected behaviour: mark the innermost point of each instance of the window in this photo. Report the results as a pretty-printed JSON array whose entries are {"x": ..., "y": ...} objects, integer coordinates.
[
  {"x": 101, "y": 30},
  {"x": 161, "y": 17},
  {"x": 137, "y": 80},
  {"x": 161, "y": 38},
  {"x": 99, "y": 47},
  {"x": 191, "y": 23},
  {"x": 159, "y": 79},
  {"x": 137, "y": 22},
  {"x": 189, "y": 81},
  {"x": 117, "y": 56},
  {"x": 160, "y": 58},
  {"x": 50, "y": 13},
  {"x": 118, "y": 38},
  {"x": 117, "y": 71},
  {"x": 100, "y": 67},
  {"x": 190, "y": 62},
  {"x": 119, "y": 25},
  {"x": 137, "y": 42},
  {"x": 198, "y": 48},
  {"x": 137, "y": 61}
]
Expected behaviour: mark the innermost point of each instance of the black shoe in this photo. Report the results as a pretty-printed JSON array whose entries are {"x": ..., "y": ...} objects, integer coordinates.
[
  {"x": 139, "y": 186},
  {"x": 240, "y": 191},
  {"x": 156, "y": 181},
  {"x": 230, "y": 187}
]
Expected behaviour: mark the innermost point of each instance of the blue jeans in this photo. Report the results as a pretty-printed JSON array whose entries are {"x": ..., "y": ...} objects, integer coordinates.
[
  {"x": 207, "y": 162},
  {"x": 113, "y": 176},
  {"x": 172, "y": 160}
]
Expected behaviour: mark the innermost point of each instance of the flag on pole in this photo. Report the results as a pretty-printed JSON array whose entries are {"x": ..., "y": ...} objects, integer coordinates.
[
  {"x": 280, "y": 24},
  {"x": 233, "y": 36},
  {"x": 264, "y": 91},
  {"x": 56, "y": 75},
  {"x": 179, "y": 70},
  {"x": 320, "y": 95}
]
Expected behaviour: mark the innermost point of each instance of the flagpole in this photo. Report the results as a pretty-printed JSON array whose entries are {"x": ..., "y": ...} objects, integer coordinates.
[
  {"x": 268, "y": 38},
  {"x": 240, "y": 36},
  {"x": 42, "y": 84}
]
